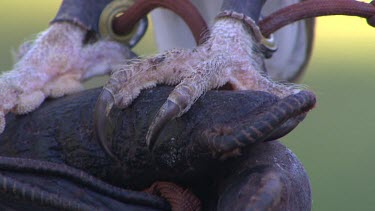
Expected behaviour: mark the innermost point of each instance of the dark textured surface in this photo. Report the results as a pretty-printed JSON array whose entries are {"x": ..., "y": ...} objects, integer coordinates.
[
  {"x": 85, "y": 13},
  {"x": 33, "y": 191},
  {"x": 244, "y": 179},
  {"x": 60, "y": 186},
  {"x": 61, "y": 132}
]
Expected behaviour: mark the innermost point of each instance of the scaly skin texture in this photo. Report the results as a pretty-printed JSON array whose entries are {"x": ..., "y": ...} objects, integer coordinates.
[
  {"x": 262, "y": 175},
  {"x": 230, "y": 56},
  {"x": 55, "y": 65},
  {"x": 68, "y": 136}
]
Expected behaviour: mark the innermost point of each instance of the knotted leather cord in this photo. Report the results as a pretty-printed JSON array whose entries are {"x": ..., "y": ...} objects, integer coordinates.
[{"x": 270, "y": 24}]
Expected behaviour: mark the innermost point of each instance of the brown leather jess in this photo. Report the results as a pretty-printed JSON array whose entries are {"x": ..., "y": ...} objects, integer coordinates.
[
  {"x": 184, "y": 8},
  {"x": 316, "y": 8},
  {"x": 270, "y": 24}
]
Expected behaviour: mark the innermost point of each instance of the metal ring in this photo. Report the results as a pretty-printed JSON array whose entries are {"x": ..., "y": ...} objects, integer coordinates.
[
  {"x": 268, "y": 46},
  {"x": 113, "y": 10},
  {"x": 269, "y": 43},
  {"x": 140, "y": 31}
]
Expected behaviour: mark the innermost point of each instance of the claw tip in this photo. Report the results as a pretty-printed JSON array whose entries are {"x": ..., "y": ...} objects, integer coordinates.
[
  {"x": 102, "y": 109},
  {"x": 168, "y": 111}
]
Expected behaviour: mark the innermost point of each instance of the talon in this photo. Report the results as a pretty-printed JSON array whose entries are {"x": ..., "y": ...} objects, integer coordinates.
[
  {"x": 101, "y": 121},
  {"x": 167, "y": 112}
]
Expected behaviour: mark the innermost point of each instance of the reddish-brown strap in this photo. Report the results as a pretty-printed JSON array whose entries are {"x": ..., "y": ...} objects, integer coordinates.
[
  {"x": 315, "y": 8},
  {"x": 180, "y": 199},
  {"x": 184, "y": 8},
  {"x": 270, "y": 24}
]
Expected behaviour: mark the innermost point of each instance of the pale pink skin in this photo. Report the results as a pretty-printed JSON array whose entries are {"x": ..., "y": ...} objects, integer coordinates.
[
  {"x": 227, "y": 57},
  {"x": 54, "y": 65},
  {"x": 57, "y": 63}
]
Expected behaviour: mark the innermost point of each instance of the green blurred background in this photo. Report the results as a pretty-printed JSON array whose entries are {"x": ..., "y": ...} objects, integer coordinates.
[{"x": 335, "y": 142}]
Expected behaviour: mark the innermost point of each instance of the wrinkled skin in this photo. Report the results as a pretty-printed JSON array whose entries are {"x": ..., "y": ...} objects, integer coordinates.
[
  {"x": 54, "y": 65},
  {"x": 68, "y": 53},
  {"x": 62, "y": 57},
  {"x": 231, "y": 56},
  {"x": 67, "y": 138}
]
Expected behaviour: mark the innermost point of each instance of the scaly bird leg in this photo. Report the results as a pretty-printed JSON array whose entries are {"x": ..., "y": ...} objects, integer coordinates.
[
  {"x": 231, "y": 55},
  {"x": 55, "y": 65}
]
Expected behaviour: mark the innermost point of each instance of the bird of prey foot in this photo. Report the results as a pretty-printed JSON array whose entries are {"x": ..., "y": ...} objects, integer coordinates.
[{"x": 231, "y": 56}]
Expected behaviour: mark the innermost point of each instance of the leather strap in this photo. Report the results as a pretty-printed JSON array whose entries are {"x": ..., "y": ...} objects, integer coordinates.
[
  {"x": 84, "y": 13},
  {"x": 315, "y": 8},
  {"x": 184, "y": 8}
]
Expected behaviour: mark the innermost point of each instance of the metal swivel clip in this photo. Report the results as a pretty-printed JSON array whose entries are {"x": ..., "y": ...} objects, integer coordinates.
[{"x": 114, "y": 10}]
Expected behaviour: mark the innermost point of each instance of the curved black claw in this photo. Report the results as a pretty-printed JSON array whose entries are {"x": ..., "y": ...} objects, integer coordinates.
[
  {"x": 101, "y": 122},
  {"x": 277, "y": 121},
  {"x": 167, "y": 112}
]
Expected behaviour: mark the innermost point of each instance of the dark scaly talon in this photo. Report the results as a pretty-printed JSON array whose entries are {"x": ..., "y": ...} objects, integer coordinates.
[
  {"x": 177, "y": 101},
  {"x": 167, "y": 112},
  {"x": 101, "y": 121}
]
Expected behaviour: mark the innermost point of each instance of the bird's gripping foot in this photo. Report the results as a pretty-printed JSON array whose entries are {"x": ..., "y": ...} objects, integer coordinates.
[
  {"x": 54, "y": 65},
  {"x": 230, "y": 56}
]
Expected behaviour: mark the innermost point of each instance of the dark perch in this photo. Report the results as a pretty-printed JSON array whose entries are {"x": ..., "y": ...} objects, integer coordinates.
[{"x": 266, "y": 175}]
